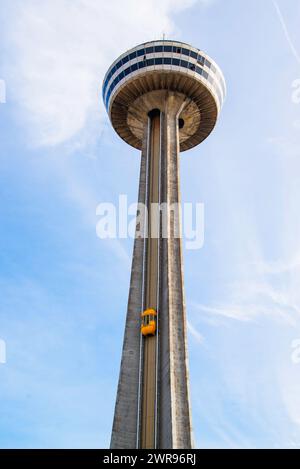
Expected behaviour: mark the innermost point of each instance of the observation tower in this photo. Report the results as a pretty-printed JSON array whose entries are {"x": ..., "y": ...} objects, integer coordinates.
[{"x": 162, "y": 97}]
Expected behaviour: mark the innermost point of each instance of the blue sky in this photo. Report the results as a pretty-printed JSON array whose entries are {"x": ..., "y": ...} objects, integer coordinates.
[{"x": 63, "y": 291}]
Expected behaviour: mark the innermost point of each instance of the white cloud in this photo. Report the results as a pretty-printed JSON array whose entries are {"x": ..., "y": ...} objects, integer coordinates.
[
  {"x": 60, "y": 50},
  {"x": 289, "y": 378},
  {"x": 286, "y": 32},
  {"x": 2, "y": 92},
  {"x": 196, "y": 334},
  {"x": 279, "y": 266},
  {"x": 249, "y": 301}
]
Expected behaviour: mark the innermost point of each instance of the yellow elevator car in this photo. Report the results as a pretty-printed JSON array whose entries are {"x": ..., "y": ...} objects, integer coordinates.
[{"x": 148, "y": 326}]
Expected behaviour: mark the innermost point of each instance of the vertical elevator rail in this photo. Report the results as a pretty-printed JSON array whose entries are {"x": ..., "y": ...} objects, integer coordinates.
[
  {"x": 158, "y": 284},
  {"x": 149, "y": 373}
]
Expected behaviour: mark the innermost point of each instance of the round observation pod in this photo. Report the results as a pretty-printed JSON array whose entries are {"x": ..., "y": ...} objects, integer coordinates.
[{"x": 136, "y": 82}]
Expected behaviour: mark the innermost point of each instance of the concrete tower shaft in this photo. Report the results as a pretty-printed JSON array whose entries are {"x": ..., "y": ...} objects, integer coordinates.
[
  {"x": 162, "y": 97},
  {"x": 156, "y": 381}
]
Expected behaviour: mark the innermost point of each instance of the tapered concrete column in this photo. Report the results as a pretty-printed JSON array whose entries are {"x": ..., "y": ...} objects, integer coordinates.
[
  {"x": 173, "y": 423},
  {"x": 174, "y": 401}
]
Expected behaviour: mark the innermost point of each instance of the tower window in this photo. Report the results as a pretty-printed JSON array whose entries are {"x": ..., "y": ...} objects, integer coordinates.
[{"x": 132, "y": 55}]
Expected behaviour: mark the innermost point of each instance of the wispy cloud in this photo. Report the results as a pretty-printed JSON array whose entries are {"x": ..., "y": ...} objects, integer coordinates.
[
  {"x": 250, "y": 301},
  {"x": 279, "y": 267},
  {"x": 195, "y": 333},
  {"x": 60, "y": 50},
  {"x": 286, "y": 31}
]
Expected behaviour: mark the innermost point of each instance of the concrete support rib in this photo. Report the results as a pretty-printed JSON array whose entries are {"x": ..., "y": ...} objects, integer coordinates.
[
  {"x": 125, "y": 423},
  {"x": 175, "y": 428}
]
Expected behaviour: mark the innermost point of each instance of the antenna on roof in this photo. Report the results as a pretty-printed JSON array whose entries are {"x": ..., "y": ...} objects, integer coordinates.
[{"x": 164, "y": 36}]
